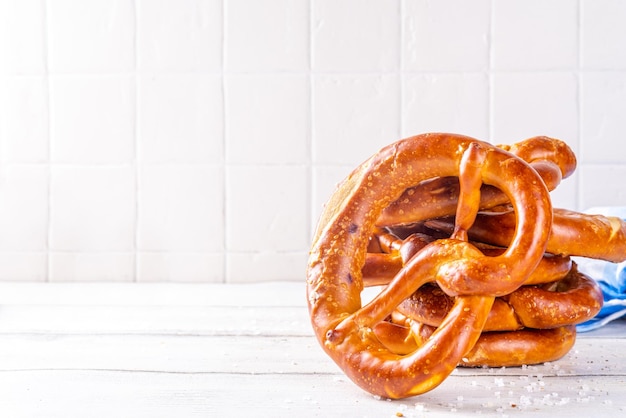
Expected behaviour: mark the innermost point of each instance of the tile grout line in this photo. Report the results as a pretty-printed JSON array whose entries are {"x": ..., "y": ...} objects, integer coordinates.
[
  {"x": 137, "y": 184},
  {"x": 48, "y": 267},
  {"x": 490, "y": 75},
  {"x": 579, "y": 103},
  {"x": 311, "y": 130},
  {"x": 225, "y": 271},
  {"x": 401, "y": 12}
]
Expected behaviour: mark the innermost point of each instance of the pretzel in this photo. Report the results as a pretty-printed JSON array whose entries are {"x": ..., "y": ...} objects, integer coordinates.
[
  {"x": 571, "y": 300},
  {"x": 347, "y": 330},
  {"x": 382, "y": 265},
  {"x": 521, "y": 347},
  {"x": 572, "y": 233},
  {"x": 552, "y": 159},
  {"x": 510, "y": 349},
  {"x": 541, "y": 318}
]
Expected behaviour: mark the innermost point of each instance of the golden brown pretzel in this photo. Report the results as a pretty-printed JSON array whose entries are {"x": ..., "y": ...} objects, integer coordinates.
[
  {"x": 552, "y": 158},
  {"x": 345, "y": 329},
  {"x": 433, "y": 198},
  {"x": 571, "y": 300},
  {"x": 381, "y": 267},
  {"x": 572, "y": 233},
  {"x": 511, "y": 348},
  {"x": 523, "y": 347}
]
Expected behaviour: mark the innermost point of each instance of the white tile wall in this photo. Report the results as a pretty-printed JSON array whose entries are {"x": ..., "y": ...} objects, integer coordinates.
[
  {"x": 355, "y": 114},
  {"x": 92, "y": 208},
  {"x": 451, "y": 102},
  {"x": 24, "y": 125},
  {"x": 266, "y": 36},
  {"x": 22, "y": 37},
  {"x": 443, "y": 36},
  {"x": 268, "y": 119},
  {"x": 180, "y": 118},
  {"x": 603, "y": 20},
  {"x": 526, "y": 104},
  {"x": 90, "y": 36},
  {"x": 197, "y": 140},
  {"x": 603, "y": 118},
  {"x": 535, "y": 35},
  {"x": 92, "y": 119},
  {"x": 23, "y": 207},
  {"x": 178, "y": 35},
  {"x": 180, "y": 208},
  {"x": 355, "y": 35}
]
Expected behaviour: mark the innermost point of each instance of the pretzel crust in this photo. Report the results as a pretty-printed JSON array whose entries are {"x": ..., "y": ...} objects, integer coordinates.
[
  {"x": 572, "y": 233},
  {"x": 345, "y": 329},
  {"x": 571, "y": 300},
  {"x": 380, "y": 268},
  {"x": 518, "y": 348},
  {"x": 551, "y": 158},
  {"x": 523, "y": 347}
]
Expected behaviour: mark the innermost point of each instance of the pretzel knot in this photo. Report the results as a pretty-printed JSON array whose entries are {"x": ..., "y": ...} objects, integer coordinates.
[
  {"x": 473, "y": 261},
  {"x": 348, "y": 331}
]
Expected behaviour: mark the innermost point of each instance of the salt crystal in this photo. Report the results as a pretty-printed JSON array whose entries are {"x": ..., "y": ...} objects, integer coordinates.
[{"x": 532, "y": 387}]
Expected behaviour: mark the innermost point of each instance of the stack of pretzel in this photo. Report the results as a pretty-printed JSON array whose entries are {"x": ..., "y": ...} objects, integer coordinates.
[{"x": 472, "y": 260}]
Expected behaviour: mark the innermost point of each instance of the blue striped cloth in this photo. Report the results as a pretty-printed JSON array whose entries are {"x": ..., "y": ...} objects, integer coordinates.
[{"x": 610, "y": 276}]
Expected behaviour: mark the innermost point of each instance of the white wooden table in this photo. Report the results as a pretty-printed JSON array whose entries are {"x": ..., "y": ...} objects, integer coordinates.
[{"x": 174, "y": 350}]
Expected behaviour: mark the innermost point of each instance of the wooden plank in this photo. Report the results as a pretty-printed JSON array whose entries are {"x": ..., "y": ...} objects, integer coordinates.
[
  {"x": 67, "y": 394},
  {"x": 615, "y": 329},
  {"x": 154, "y": 294},
  {"x": 175, "y": 354},
  {"x": 220, "y": 350},
  {"x": 249, "y": 354},
  {"x": 191, "y": 320}
]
